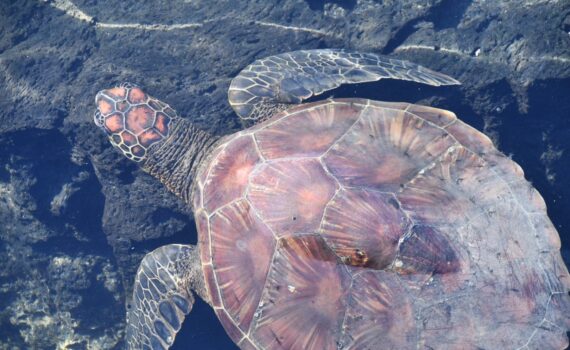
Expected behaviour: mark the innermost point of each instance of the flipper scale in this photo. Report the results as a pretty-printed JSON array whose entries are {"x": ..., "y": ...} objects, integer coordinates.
[{"x": 269, "y": 84}]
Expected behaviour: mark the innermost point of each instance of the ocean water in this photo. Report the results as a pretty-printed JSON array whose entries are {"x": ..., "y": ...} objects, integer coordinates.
[{"x": 76, "y": 218}]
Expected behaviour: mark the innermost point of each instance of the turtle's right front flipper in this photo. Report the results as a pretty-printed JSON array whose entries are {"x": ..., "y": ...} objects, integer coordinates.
[
  {"x": 273, "y": 83},
  {"x": 162, "y": 296}
]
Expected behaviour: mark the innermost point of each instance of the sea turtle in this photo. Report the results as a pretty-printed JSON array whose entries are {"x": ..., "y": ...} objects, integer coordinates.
[{"x": 344, "y": 223}]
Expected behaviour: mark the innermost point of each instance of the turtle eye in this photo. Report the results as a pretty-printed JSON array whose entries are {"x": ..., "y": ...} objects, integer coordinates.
[{"x": 98, "y": 119}]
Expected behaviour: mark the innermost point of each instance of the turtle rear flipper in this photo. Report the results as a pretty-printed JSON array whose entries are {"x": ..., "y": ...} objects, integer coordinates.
[
  {"x": 273, "y": 83},
  {"x": 162, "y": 296}
]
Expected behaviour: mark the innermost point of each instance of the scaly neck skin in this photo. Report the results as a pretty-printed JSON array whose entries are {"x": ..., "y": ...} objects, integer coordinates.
[{"x": 175, "y": 161}]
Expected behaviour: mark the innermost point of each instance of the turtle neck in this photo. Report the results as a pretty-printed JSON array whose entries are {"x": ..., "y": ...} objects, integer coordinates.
[{"x": 176, "y": 160}]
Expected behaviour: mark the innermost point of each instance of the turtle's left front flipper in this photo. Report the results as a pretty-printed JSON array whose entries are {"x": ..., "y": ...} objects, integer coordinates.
[
  {"x": 273, "y": 83},
  {"x": 162, "y": 296}
]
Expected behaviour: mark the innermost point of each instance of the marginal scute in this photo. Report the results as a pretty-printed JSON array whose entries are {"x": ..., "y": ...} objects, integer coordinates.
[
  {"x": 196, "y": 196},
  {"x": 203, "y": 236},
  {"x": 386, "y": 148},
  {"x": 548, "y": 240},
  {"x": 391, "y": 105},
  {"x": 231, "y": 329},
  {"x": 513, "y": 176},
  {"x": 455, "y": 189},
  {"x": 291, "y": 195},
  {"x": 211, "y": 285},
  {"x": 470, "y": 138},
  {"x": 439, "y": 117}
]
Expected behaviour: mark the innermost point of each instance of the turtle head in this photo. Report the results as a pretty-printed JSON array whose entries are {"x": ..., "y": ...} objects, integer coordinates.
[{"x": 133, "y": 120}]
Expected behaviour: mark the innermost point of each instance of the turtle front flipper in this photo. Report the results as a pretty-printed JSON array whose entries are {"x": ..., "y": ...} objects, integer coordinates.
[
  {"x": 162, "y": 296},
  {"x": 273, "y": 83}
]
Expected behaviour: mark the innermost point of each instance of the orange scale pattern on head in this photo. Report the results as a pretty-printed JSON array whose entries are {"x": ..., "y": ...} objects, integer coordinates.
[
  {"x": 118, "y": 92},
  {"x": 128, "y": 138},
  {"x": 139, "y": 118},
  {"x": 161, "y": 123},
  {"x": 105, "y": 106},
  {"x": 138, "y": 151},
  {"x": 149, "y": 137},
  {"x": 114, "y": 123},
  {"x": 123, "y": 106},
  {"x": 155, "y": 104},
  {"x": 136, "y": 95}
]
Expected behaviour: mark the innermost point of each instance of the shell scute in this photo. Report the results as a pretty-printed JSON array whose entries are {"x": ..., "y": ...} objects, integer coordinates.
[
  {"x": 229, "y": 173},
  {"x": 456, "y": 245},
  {"x": 379, "y": 315},
  {"x": 363, "y": 228},
  {"x": 386, "y": 148},
  {"x": 304, "y": 301},
  {"x": 242, "y": 247},
  {"x": 291, "y": 195},
  {"x": 307, "y": 133}
]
